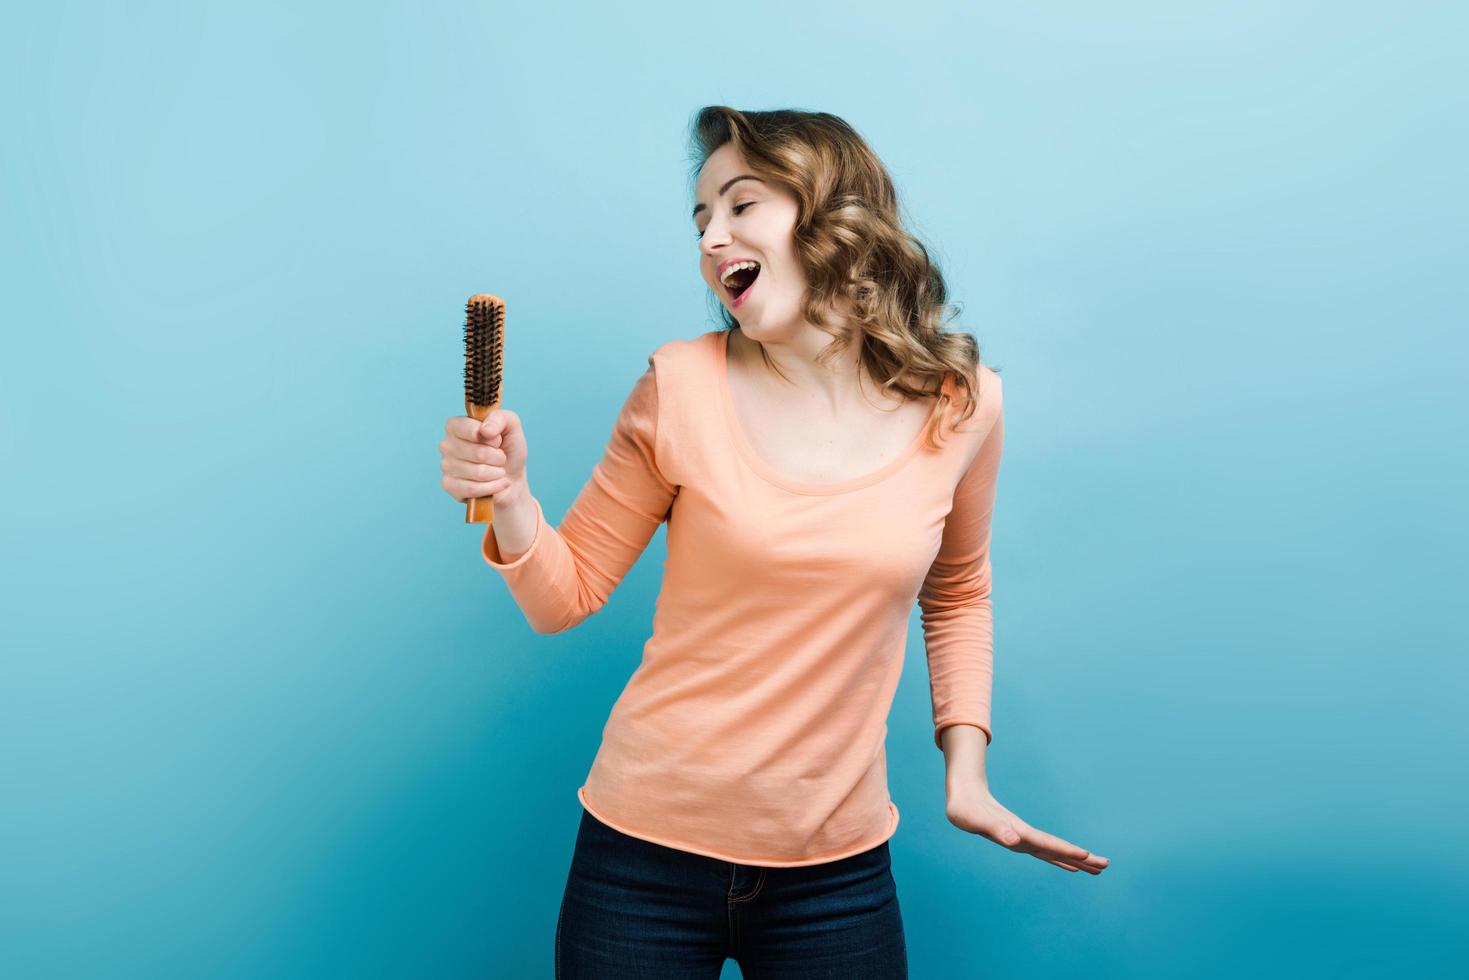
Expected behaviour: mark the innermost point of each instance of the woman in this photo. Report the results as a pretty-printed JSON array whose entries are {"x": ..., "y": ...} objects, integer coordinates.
[{"x": 738, "y": 804}]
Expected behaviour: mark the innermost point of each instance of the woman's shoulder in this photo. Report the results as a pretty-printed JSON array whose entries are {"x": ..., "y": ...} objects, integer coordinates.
[
  {"x": 686, "y": 348},
  {"x": 987, "y": 392},
  {"x": 679, "y": 374},
  {"x": 685, "y": 360}
]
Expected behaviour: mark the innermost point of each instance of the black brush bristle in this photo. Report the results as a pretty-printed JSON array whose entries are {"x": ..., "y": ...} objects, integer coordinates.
[{"x": 484, "y": 349}]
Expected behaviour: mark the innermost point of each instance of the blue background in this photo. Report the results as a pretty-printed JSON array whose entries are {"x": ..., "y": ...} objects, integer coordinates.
[{"x": 264, "y": 712}]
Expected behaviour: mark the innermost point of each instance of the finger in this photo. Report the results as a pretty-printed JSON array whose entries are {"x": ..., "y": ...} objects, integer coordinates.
[
  {"x": 484, "y": 472},
  {"x": 471, "y": 451},
  {"x": 1091, "y": 863},
  {"x": 460, "y": 490},
  {"x": 1068, "y": 865},
  {"x": 1051, "y": 844},
  {"x": 1008, "y": 837},
  {"x": 464, "y": 489},
  {"x": 1060, "y": 864},
  {"x": 474, "y": 472},
  {"x": 463, "y": 427},
  {"x": 497, "y": 422},
  {"x": 1004, "y": 836},
  {"x": 1027, "y": 844}
]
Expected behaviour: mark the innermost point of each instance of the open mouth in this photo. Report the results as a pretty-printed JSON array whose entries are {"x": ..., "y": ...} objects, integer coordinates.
[{"x": 739, "y": 282}]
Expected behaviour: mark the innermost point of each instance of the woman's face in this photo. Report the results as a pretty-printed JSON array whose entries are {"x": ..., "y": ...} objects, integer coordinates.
[{"x": 739, "y": 216}]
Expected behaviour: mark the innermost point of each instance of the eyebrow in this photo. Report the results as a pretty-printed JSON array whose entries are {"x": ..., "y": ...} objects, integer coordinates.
[{"x": 727, "y": 185}]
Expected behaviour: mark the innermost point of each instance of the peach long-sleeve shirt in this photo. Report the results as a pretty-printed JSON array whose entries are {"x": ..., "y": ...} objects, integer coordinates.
[{"x": 754, "y": 728}]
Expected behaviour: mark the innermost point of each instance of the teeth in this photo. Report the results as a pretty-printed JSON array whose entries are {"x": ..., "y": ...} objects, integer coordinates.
[{"x": 747, "y": 264}]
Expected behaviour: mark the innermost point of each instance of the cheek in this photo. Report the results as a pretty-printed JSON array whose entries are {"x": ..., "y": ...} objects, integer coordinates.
[{"x": 787, "y": 278}]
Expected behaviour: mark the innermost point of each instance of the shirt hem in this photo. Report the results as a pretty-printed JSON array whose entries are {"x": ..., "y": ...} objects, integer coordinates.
[{"x": 892, "y": 827}]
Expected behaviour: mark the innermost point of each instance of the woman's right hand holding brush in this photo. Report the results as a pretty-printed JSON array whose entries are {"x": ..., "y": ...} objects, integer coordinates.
[{"x": 483, "y": 459}]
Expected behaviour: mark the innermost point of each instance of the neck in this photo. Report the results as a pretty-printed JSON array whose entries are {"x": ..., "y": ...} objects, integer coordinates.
[{"x": 793, "y": 367}]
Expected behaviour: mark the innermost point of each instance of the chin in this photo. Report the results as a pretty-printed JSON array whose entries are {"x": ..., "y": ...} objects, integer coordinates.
[{"x": 761, "y": 329}]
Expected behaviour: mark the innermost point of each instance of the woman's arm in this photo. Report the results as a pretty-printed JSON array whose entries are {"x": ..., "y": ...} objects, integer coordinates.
[
  {"x": 561, "y": 575},
  {"x": 954, "y": 601},
  {"x": 964, "y": 752},
  {"x": 515, "y": 523}
]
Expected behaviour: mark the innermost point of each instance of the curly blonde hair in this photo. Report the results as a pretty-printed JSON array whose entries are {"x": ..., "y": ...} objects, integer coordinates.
[{"x": 855, "y": 252}]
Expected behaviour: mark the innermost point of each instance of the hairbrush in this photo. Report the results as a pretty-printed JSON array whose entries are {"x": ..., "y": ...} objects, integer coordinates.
[{"x": 484, "y": 363}]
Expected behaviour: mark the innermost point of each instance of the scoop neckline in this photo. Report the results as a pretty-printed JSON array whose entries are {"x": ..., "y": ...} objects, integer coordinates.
[{"x": 757, "y": 463}]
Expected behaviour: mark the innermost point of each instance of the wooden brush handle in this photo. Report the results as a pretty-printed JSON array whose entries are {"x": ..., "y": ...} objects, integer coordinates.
[{"x": 479, "y": 510}]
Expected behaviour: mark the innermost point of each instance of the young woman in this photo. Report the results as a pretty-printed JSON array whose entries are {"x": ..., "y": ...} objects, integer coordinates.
[{"x": 825, "y": 460}]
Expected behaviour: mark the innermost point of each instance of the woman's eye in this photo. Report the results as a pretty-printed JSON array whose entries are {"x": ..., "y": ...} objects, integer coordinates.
[{"x": 736, "y": 209}]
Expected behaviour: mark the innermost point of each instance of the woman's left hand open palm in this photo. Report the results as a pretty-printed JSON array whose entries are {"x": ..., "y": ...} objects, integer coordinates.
[{"x": 978, "y": 812}]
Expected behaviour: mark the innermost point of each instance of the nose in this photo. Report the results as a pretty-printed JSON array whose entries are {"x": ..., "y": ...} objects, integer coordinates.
[{"x": 715, "y": 236}]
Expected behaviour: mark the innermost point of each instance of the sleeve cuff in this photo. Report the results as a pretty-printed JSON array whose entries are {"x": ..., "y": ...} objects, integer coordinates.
[
  {"x": 939, "y": 730},
  {"x": 490, "y": 548}
]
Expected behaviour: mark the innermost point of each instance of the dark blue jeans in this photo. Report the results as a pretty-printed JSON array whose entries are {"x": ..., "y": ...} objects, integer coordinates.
[{"x": 636, "y": 910}]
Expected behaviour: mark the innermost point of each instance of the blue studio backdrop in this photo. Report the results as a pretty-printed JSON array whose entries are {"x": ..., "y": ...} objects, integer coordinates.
[{"x": 265, "y": 712}]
